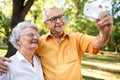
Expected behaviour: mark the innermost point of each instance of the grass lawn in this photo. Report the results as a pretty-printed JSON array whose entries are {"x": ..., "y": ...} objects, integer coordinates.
[
  {"x": 2, "y": 52},
  {"x": 3, "y": 49},
  {"x": 95, "y": 67},
  {"x": 101, "y": 67}
]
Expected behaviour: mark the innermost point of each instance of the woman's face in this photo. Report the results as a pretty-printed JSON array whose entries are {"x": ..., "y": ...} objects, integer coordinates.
[{"x": 28, "y": 39}]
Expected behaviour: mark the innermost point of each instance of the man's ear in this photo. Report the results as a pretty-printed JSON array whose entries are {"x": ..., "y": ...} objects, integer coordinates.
[{"x": 45, "y": 23}]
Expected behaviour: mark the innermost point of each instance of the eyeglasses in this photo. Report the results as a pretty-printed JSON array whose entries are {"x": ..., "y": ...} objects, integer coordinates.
[
  {"x": 54, "y": 19},
  {"x": 31, "y": 35}
]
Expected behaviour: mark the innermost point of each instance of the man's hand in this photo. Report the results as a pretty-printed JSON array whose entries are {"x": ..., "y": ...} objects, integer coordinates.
[
  {"x": 104, "y": 25},
  {"x": 3, "y": 67}
]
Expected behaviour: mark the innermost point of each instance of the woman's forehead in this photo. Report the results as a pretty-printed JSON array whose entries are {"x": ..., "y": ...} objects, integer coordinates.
[{"x": 26, "y": 30}]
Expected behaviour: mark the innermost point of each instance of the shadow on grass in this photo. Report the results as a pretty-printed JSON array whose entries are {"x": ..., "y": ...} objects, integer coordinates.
[
  {"x": 90, "y": 78},
  {"x": 100, "y": 68},
  {"x": 3, "y": 46},
  {"x": 112, "y": 58}
]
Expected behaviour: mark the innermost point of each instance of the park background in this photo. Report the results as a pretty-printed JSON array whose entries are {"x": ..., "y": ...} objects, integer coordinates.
[{"x": 104, "y": 66}]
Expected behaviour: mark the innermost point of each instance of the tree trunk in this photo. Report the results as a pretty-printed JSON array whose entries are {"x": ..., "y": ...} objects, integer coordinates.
[{"x": 20, "y": 9}]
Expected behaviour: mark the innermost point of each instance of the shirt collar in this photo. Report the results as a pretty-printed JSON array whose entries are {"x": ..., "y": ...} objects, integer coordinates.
[
  {"x": 20, "y": 56},
  {"x": 65, "y": 35}
]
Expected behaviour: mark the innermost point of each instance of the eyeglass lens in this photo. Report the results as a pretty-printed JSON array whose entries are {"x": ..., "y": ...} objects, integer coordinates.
[{"x": 54, "y": 19}]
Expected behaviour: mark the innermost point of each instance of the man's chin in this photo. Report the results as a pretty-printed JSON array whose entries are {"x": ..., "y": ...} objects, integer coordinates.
[{"x": 60, "y": 30}]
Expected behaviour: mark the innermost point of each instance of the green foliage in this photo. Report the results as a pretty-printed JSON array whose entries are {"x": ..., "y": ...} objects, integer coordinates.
[
  {"x": 85, "y": 25},
  {"x": 75, "y": 20},
  {"x": 4, "y": 26},
  {"x": 115, "y": 38}
]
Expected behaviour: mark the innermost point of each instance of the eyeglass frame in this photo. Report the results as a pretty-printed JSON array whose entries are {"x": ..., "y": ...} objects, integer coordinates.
[
  {"x": 31, "y": 35},
  {"x": 54, "y": 19}
]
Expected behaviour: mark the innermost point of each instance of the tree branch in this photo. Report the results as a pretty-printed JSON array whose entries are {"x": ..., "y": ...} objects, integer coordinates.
[{"x": 27, "y": 7}]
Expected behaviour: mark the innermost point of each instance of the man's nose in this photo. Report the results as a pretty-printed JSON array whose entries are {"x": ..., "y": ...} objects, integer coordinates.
[
  {"x": 36, "y": 37},
  {"x": 58, "y": 20}
]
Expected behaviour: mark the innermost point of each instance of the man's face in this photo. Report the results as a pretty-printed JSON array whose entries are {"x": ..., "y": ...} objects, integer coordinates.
[{"x": 55, "y": 21}]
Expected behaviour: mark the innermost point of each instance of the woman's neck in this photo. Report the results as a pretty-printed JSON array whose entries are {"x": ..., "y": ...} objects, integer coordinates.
[{"x": 28, "y": 54}]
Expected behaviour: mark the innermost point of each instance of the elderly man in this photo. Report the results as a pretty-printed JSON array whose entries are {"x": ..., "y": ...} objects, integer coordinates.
[{"x": 61, "y": 52}]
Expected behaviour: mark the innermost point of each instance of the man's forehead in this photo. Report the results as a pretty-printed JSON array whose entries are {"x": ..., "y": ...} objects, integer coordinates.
[{"x": 53, "y": 12}]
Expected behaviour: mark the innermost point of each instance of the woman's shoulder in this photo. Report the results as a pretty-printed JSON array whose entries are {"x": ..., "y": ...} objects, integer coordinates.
[{"x": 13, "y": 60}]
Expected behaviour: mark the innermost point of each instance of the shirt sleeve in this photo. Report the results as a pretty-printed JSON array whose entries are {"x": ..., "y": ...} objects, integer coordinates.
[{"x": 86, "y": 43}]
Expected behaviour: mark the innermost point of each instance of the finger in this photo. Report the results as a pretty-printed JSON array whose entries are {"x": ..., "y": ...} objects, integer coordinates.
[
  {"x": 103, "y": 14},
  {"x": 106, "y": 30},
  {"x": 5, "y": 59},
  {"x": 3, "y": 71},
  {"x": 3, "y": 67},
  {"x": 107, "y": 20}
]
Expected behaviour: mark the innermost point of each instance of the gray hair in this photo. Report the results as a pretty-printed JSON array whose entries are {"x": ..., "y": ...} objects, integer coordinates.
[
  {"x": 48, "y": 8},
  {"x": 17, "y": 30}
]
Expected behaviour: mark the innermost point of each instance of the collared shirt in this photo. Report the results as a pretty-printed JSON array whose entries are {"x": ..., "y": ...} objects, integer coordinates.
[
  {"x": 21, "y": 69},
  {"x": 62, "y": 61}
]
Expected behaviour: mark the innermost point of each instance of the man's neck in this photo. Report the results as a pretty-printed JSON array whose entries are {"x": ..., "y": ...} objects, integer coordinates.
[{"x": 58, "y": 37}]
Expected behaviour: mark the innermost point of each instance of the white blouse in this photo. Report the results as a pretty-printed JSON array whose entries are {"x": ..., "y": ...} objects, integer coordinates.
[{"x": 21, "y": 69}]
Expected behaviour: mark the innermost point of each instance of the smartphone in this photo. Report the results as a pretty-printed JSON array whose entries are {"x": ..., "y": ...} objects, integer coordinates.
[{"x": 93, "y": 10}]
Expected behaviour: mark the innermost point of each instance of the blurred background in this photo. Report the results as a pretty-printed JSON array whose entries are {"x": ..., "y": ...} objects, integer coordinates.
[{"x": 104, "y": 66}]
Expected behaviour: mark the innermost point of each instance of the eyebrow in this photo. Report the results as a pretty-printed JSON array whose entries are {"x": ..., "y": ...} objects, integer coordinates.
[{"x": 54, "y": 17}]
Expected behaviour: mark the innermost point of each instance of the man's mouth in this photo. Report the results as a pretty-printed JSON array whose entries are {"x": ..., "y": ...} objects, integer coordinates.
[
  {"x": 35, "y": 41},
  {"x": 59, "y": 26}
]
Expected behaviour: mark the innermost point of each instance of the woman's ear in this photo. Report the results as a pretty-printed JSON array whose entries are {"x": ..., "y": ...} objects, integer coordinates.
[{"x": 18, "y": 41}]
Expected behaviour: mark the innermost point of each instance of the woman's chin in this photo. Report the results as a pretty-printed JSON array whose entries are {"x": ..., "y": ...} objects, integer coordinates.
[{"x": 34, "y": 46}]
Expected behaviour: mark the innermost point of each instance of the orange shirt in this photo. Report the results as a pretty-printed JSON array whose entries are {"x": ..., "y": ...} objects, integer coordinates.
[{"x": 62, "y": 61}]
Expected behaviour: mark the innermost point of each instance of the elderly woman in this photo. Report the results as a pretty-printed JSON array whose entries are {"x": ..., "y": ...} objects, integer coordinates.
[{"x": 25, "y": 65}]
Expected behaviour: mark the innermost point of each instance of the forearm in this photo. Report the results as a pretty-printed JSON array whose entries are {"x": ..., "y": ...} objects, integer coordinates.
[
  {"x": 104, "y": 25},
  {"x": 101, "y": 40}
]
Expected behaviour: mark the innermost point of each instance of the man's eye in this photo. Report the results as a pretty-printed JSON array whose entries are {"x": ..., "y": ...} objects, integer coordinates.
[
  {"x": 53, "y": 18},
  {"x": 60, "y": 16}
]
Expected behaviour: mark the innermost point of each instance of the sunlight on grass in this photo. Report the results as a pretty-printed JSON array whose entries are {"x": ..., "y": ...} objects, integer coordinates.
[
  {"x": 99, "y": 75},
  {"x": 101, "y": 67},
  {"x": 2, "y": 52},
  {"x": 108, "y": 57},
  {"x": 3, "y": 49}
]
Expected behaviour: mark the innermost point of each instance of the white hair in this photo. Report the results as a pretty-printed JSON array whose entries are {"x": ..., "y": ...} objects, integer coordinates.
[
  {"x": 17, "y": 31},
  {"x": 48, "y": 8}
]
